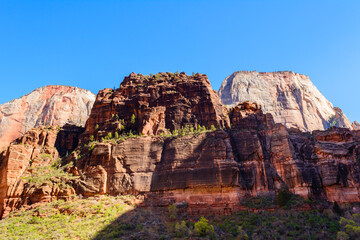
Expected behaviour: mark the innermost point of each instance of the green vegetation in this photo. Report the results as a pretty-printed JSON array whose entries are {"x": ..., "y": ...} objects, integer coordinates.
[
  {"x": 284, "y": 199},
  {"x": 184, "y": 131},
  {"x": 280, "y": 224},
  {"x": 188, "y": 130},
  {"x": 50, "y": 174},
  {"x": 172, "y": 211},
  {"x": 116, "y": 218},
  {"x": 92, "y": 138},
  {"x": 333, "y": 121},
  {"x": 133, "y": 119},
  {"x": 79, "y": 219},
  {"x": 203, "y": 228},
  {"x": 350, "y": 227}
]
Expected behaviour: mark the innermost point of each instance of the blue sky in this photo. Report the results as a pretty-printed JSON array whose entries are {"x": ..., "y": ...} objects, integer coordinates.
[{"x": 94, "y": 44}]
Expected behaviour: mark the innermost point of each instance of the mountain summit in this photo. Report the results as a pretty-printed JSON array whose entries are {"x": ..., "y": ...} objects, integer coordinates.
[
  {"x": 291, "y": 98},
  {"x": 49, "y": 105}
]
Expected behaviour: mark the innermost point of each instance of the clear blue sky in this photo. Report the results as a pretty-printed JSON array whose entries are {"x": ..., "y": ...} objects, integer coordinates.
[{"x": 94, "y": 44}]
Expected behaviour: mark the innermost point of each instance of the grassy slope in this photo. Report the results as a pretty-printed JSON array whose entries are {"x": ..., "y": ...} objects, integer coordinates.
[
  {"x": 115, "y": 217},
  {"x": 79, "y": 219}
]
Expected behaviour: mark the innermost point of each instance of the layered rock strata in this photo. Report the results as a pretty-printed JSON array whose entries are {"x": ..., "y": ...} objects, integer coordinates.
[
  {"x": 38, "y": 148},
  {"x": 157, "y": 104},
  {"x": 50, "y": 105},
  {"x": 210, "y": 171},
  {"x": 291, "y": 98},
  {"x": 217, "y": 170}
]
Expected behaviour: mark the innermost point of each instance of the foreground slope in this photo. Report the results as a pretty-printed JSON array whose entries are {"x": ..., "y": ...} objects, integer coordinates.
[
  {"x": 291, "y": 98},
  {"x": 49, "y": 105}
]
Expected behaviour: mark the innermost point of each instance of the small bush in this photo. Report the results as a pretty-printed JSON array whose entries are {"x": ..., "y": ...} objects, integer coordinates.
[
  {"x": 172, "y": 211},
  {"x": 92, "y": 147},
  {"x": 202, "y": 227},
  {"x": 133, "y": 120},
  {"x": 51, "y": 174},
  {"x": 342, "y": 236},
  {"x": 109, "y": 135},
  {"x": 181, "y": 229}
]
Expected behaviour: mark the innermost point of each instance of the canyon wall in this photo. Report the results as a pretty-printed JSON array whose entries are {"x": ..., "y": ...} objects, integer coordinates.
[
  {"x": 27, "y": 162},
  {"x": 291, "y": 98},
  {"x": 147, "y": 137}
]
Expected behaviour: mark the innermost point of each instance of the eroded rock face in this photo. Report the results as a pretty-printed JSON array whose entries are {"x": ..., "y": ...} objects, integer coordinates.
[
  {"x": 249, "y": 154},
  {"x": 215, "y": 171},
  {"x": 50, "y": 105},
  {"x": 39, "y": 147},
  {"x": 291, "y": 98},
  {"x": 159, "y": 103}
]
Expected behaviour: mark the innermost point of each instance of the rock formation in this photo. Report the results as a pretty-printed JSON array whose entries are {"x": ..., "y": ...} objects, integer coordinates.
[
  {"x": 158, "y": 103},
  {"x": 36, "y": 150},
  {"x": 147, "y": 138},
  {"x": 50, "y": 105},
  {"x": 291, "y": 98},
  {"x": 215, "y": 171}
]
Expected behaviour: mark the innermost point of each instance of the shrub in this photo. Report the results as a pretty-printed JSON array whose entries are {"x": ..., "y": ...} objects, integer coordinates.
[
  {"x": 181, "y": 229},
  {"x": 175, "y": 133},
  {"x": 130, "y": 134},
  {"x": 172, "y": 211},
  {"x": 242, "y": 234},
  {"x": 109, "y": 135},
  {"x": 342, "y": 236},
  {"x": 92, "y": 147},
  {"x": 91, "y": 138},
  {"x": 333, "y": 121},
  {"x": 202, "y": 227},
  {"x": 52, "y": 174},
  {"x": 350, "y": 227},
  {"x": 133, "y": 120}
]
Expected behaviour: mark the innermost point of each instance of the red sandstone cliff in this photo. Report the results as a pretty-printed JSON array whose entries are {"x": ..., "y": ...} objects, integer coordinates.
[
  {"x": 159, "y": 103},
  {"x": 212, "y": 171},
  {"x": 37, "y": 149},
  {"x": 50, "y": 105}
]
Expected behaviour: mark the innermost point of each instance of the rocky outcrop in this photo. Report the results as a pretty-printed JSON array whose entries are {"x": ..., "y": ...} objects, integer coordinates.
[
  {"x": 31, "y": 156},
  {"x": 356, "y": 125},
  {"x": 158, "y": 104},
  {"x": 50, "y": 105},
  {"x": 291, "y": 98}
]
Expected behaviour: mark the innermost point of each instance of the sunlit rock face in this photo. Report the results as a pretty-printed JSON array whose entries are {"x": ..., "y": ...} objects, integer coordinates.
[
  {"x": 159, "y": 103},
  {"x": 248, "y": 154},
  {"x": 215, "y": 171},
  {"x": 39, "y": 147},
  {"x": 291, "y": 98},
  {"x": 50, "y": 105}
]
